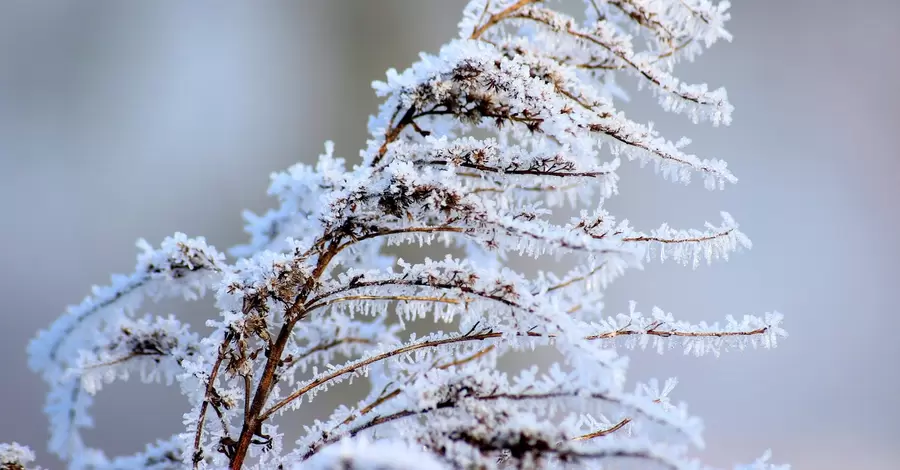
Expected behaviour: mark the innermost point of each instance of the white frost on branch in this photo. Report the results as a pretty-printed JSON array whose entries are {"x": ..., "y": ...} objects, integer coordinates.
[
  {"x": 382, "y": 454},
  {"x": 476, "y": 148},
  {"x": 15, "y": 456}
]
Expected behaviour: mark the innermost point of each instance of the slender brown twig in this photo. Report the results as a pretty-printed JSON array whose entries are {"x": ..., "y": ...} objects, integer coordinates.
[{"x": 210, "y": 384}]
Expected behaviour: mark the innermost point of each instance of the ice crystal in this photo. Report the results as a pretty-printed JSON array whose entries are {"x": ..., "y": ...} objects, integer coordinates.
[{"x": 312, "y": 299}]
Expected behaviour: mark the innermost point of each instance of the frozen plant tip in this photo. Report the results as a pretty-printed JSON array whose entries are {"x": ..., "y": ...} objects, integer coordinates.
[{"x": 476, "y": 147}]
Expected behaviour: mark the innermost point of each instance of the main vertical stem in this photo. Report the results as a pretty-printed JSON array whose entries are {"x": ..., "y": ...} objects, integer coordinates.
[
  {"x": 293, "y": 314},
  {"x": 252, "y": 423}
]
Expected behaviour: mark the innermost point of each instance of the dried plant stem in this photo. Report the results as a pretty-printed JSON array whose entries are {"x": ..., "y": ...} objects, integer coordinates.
[
  {"x": 315, "y": 285},
  {"x": 351, "y": 368},
  {"x": 210, "y": 385},
  {"x": 604, "y": 432},
  {"x": 267, "y": 381},
  {"x": 498, "y": 17}
]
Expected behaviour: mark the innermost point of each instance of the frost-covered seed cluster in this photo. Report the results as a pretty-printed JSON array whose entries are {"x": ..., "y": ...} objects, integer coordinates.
[
  {"x": 15, "y": 457},
  {"x": 476, "y": 147}
]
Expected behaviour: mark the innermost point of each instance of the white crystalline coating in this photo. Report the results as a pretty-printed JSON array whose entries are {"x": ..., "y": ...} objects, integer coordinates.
[
  {"x": 181, "y": 267},
  {"x": 87, "y": 336},
  {"x": 15, "y": 454},
  {"x": 693, "y": 246},
  {"x": 762, "y": 463},
  {"x": 363, "y": 454},
  {"x": 299, "y": 190},
  {"x": 603, "y": 43},
  {"x": 565, "y": 108},
  {"x": 661, "y": 332},
  {"x": 474, "y": 149},
  {"x": 153, "y": 347}
]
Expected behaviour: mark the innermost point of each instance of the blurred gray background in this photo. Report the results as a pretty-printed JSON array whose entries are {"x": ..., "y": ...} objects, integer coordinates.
[{"x": 121, "y": 120}]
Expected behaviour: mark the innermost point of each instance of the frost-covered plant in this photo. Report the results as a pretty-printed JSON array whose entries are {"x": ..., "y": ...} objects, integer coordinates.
[
  {"x": 15, "y": 456},
  {"x": 473, "y": 147}
]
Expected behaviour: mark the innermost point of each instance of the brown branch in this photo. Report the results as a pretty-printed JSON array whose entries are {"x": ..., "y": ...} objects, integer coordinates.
[
  {"x": 353, "y": 367},
  {"x": 684, "y": 334},
  {"x": 324, "y": 347},
  {"x": 415, "y": 283},
  {"x": 380, "y": 400},
  {"x": 400, "y": 298},
  {"x": 210, "y": 386},
  {"x": 248, "y": 387},
  {"x": 487, "y": 8},
  {"x": 350, "y": 368},
  {"x": 597, "y": 66},
  {"x": 609, "y": 430},
  {"x": 696, "y": 13},
  {"x": 121, "y": 360},
  {"x": 467, "y": 359},
  {"x": 387, "y": 232},
  {"x": 644, "y": 20},
  {"x": 268, "y": 379},
  {"x": 388, "y": 396},
  {"x": 529, "y": 172},
  {"x": 393, "y": 132},
  {"x": 498, "y": 17},
  {"x": 605, "y": 128},
  {"x": 603, "y": 432},
  {"x": 645, "y": 238},
  {"x": 618, "y": 54},
  {"x": 617, "y": 135},
  {"x": 548, "y": 187},
  {"x": 379, "y": 420},
  {"x": 573, "y": 280}
]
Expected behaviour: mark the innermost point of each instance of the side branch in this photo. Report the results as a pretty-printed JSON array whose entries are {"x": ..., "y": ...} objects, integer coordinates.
[
  {"x": 207, "y": 398},
  {"x": 706, "y": 238},
  {"x": 498, "y": 17},
  {"x": 355, "y": 366}
]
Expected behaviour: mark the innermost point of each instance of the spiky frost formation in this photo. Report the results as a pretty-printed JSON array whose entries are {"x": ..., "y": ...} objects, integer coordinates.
[
  {"x": 16, "y": 457},
  {"x": 313, "y": 301}
]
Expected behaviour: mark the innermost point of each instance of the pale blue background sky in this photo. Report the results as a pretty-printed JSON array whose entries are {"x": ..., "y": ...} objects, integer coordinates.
[{"x": 121, "y": 120}]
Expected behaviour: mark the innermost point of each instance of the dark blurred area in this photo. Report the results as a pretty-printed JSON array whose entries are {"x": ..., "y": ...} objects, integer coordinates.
[{"x": 121, "y": 120}]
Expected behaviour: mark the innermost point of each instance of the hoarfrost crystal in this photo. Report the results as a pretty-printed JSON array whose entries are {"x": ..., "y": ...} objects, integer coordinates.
[{"x": 477, "y": 147}]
